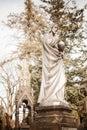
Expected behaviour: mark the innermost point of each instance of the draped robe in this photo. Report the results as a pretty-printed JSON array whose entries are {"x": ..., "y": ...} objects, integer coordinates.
[{"x": 53, "y": 73}]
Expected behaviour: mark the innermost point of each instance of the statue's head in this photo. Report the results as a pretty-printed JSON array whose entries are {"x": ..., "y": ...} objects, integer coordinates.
[{"x": 54, "y": 29}]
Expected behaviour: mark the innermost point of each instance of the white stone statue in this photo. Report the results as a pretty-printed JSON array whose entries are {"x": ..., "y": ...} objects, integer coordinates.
[{"x": 53, "y": 73}]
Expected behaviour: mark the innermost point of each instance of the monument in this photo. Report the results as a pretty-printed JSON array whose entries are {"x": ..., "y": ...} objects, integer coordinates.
[
  {"x": 24, "y": 98},
  {"x": 53, "y": 112}
]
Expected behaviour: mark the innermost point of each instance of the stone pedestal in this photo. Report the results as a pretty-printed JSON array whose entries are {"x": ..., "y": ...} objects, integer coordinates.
[
  {"x": 53, "y": 118},
  {"x": 24, "y": 126},
  {"x": 83, "y": 126}
]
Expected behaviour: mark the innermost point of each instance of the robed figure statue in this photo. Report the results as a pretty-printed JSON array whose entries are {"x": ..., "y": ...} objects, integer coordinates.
[{"x": 53, "y": 73}]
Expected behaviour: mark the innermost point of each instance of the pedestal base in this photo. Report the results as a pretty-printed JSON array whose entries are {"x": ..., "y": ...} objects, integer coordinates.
[
  {"x": 83, "y": 126},
  {"x": 54, "y": 118},
  {"x": 24, "y": 126}
]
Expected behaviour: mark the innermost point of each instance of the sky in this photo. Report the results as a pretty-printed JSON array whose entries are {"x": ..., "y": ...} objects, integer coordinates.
[
  {"x": 7, "y": 40},
  {"x": 9, "y": 6}
]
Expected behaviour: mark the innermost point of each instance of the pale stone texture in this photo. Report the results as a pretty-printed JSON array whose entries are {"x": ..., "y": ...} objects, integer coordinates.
[{"x": 53, "y": 73}]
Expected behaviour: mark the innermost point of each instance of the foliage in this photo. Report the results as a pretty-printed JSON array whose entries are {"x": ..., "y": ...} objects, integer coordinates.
[
  {"x": 36, "y": 80},
  {"x": 67, "y": 18},
  {"x": 76, "y": 100},
  {"x": 31, "y": 21}
]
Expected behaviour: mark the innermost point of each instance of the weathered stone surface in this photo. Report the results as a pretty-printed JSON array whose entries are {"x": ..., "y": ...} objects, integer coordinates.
[
  {"x": 54, "y": 118},
  {"x": 66, "y": 128},
  {"x": 24, "y": 126}
]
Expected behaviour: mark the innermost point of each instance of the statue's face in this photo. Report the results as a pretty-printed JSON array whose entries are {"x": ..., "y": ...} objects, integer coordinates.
[{"x": 55, "y": 29}]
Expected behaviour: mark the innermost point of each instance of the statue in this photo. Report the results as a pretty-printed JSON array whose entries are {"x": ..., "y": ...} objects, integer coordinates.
[{"x": 53, "y": 73}]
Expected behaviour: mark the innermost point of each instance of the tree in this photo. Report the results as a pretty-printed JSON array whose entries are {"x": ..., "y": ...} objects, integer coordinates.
[
  {"x": 9, "y": 84},
  {"x": 67, "y": 17},
  {"x": 32, "y": 23}
]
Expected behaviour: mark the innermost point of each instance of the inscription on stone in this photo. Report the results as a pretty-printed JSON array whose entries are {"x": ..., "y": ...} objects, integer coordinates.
[{"x": 66, "y": 128}]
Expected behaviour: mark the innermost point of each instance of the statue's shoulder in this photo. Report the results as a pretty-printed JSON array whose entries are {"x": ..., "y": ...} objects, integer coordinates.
[{"x": 47, "y": 37}]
